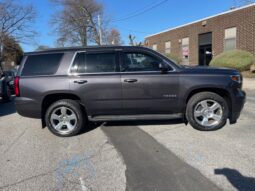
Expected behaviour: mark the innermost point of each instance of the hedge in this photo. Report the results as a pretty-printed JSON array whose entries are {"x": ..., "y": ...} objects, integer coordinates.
[
  {"x": 236, "y": 59},
  {"x": 173, "y": 57}
]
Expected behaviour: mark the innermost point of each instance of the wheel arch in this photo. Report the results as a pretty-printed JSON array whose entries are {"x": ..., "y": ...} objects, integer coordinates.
[
  {"x": 51, "y": 98},
  {"x": 220, "y": 91}
]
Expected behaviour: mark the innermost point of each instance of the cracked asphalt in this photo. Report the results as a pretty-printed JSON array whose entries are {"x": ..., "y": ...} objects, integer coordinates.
[{"x": 164, "y": 155}]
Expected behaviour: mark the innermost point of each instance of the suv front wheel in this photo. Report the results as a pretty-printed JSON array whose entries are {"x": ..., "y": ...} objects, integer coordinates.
[
  {"x": 207, "y": 111},
  {"x": 64, "y": 118}
]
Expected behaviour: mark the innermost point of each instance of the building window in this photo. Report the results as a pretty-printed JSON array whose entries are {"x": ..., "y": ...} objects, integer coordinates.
[
  {"x": 155, "y": 47},
  {"x": 168, "y": 47},
  {"x": 185, "y": 51},
  {"x": 230, "y": 39}
]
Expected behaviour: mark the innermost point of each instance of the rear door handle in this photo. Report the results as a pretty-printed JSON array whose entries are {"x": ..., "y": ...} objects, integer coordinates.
[
  {"x": 80, "y": 81},
  {"x": 130, "y": 80}
]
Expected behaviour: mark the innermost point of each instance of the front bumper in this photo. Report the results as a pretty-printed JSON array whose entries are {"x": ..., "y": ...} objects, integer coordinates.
[{"x": 238, "y": 101}]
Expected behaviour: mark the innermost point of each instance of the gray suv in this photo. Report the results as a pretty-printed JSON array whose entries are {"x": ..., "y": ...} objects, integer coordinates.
[{"x": 68, "y": 87}]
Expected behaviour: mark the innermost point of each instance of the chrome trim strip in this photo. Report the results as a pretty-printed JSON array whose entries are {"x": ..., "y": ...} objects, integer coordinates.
[{"x": 121, "y": 73}]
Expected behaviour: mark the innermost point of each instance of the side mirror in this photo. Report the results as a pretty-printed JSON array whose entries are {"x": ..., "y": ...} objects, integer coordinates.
[{"x": 163, "y": 67}]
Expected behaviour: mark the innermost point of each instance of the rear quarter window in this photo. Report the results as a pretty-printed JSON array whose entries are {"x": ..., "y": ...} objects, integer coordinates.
[{"x": 42, "y": 64}]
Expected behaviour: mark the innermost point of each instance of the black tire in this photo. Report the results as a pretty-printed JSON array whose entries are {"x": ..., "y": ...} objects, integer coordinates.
[
  {"x": 195, "y": 100},
  {"x": 75, "y": 107},
  {"x": 7, "y": 97}
]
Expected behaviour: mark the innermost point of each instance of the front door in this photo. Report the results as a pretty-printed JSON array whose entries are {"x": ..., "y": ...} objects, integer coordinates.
[
  {"x": 145, "y": 89},
  {"x": 205, "y": 48},
  {"x": 205, "y": 55},
  {"x": 96, "y": 80}
]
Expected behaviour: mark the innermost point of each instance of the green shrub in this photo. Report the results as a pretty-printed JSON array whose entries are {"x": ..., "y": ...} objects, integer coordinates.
[
  {"x": 173, "y": 57},
  {"x": 236, "y": 59}
]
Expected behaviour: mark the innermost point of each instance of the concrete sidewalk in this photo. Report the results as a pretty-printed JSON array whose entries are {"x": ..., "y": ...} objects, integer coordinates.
[{"x": 249, "y": 83}]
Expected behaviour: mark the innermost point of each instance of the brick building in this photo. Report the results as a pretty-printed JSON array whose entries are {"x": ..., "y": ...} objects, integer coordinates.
[{"x": 197, "y": 42}]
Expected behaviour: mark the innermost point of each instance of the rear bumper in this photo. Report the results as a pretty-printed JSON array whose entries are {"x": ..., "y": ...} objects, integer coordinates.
[
  {"x": 238, "y": 102},
  {"x": 28, "y": 107}
]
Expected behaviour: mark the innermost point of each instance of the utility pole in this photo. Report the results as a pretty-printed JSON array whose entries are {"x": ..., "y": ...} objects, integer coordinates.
[{"x": 100, "y": 30}]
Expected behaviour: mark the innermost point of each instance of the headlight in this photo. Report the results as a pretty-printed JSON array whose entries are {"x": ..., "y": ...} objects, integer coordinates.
[{"x": 236, "y": 78}]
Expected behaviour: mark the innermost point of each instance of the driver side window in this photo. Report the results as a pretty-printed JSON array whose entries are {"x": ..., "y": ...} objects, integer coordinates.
[{"x": 137, "y": 62}]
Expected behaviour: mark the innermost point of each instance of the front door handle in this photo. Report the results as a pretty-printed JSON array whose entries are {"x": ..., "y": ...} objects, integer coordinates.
[
  {"x": 130, "y": 80},
  {"x": 80, "y": 81}
]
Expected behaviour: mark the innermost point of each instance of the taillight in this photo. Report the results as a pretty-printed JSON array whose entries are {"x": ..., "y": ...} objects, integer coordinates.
[{"x": 16, "y": 86}]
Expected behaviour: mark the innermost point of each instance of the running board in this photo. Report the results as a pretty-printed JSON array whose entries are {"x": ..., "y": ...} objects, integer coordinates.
[{"x": 134, "y": 117}]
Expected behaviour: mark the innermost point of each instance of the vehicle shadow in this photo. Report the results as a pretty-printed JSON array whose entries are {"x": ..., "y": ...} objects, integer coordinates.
[
  {"x": 94, "y": 125},
  {"x": 144, "y": 122},
  {"x": 240, "y": 182},
  {"x": 89, "y": 126},
  {"x": 7, "y": 108}
]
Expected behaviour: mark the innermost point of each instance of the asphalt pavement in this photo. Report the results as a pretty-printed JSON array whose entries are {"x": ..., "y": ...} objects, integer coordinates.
[
  {"x": 31, "y": 158},
  {"x": 162, "y": 155},
  {"x": 150, "y": 166},
  {"x": 226, "y": 156}
]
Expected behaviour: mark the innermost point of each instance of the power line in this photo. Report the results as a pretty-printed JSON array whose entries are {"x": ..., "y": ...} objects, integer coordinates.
[
  {"x": 137, "y": 11},
  {"x": 141, "y": 12},
  {"x": 135, "y": 31}
]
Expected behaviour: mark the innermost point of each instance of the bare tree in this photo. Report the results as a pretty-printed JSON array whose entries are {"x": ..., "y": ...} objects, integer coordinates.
[
  {"x": 15, "y": 22},
  {"x": 11, "y": 54},
  {"x": 114, "y": 38},
  {"x": 131, "y": 40},
  {"x": 76, "y": 22}
]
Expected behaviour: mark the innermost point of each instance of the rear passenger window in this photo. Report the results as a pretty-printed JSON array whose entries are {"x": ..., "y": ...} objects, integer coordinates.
[
  {"x": 43, "y": 64},
  {"x": 94, "y": 63}
]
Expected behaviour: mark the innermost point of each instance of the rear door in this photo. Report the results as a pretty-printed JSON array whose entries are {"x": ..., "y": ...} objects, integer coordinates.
[
  {"x": 95, "y": 77},
  {"x": 145, "y": 88}
]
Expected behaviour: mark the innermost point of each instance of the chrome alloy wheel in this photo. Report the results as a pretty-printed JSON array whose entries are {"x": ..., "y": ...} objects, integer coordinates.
[
  {"x": 208, "y": 113},
  {"x": 63, "y": 120}
]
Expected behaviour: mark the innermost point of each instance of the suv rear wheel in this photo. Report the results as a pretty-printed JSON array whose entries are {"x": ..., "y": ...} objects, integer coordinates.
[
  {"x": 64, "y": 118},
  {"x": 207, "y": 111}
]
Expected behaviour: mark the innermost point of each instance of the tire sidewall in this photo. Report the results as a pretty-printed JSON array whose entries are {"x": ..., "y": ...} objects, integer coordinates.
[
  {"x": 72, "y": 105},
  {"x": 206, "y": 96}
]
